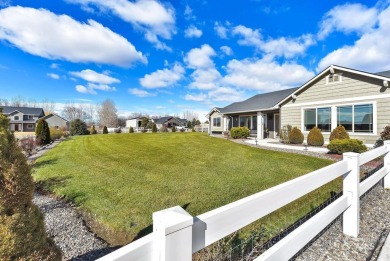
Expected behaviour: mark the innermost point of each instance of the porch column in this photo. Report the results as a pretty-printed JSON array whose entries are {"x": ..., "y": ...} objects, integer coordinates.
[
  {"x": 209, "y": 125},
  {"x": 225, "y": 123},
  {"x": 260, "y": 124}
]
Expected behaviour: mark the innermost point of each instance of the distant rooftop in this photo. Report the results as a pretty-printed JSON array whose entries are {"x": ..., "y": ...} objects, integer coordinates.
[{"x": 24, "y": 110}]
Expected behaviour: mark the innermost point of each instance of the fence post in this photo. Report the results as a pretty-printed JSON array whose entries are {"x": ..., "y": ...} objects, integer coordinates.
[
  {"x": 351, "y": 180},
  {"x": 172, "y": 229},
  {"x": 386, "y": 163}
]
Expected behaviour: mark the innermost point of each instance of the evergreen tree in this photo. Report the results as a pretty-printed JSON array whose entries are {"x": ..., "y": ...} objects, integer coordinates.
[
  {"x": 42, "y": 132},
  {"x": 93, "y": 130},
  {"x": 154, "y": 127},
  {"x": 78, "y": 127},
  {"x": 131, "y": 130},
  {"x": 22, "y": 231},
  {"x": 173, "y": 129},
  {"x": 105, "y": 131}
]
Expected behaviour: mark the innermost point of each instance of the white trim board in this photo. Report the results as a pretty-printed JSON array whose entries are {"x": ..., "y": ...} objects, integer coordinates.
[{"x": 343, "y": 100}]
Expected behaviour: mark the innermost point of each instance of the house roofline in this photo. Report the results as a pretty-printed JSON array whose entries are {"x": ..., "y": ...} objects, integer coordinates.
[
  {"x": 52, "y": 114},
  {"x": 372, "y": 75},
  {"x": 212, "y": 110},
  {"x": 265, "y": 109}
]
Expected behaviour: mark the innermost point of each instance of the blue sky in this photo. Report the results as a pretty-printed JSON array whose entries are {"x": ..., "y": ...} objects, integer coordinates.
[{"x": 166, "y": 57}]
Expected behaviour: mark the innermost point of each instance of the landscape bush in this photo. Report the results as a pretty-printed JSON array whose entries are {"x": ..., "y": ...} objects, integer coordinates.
[
  {"x": 131, "y": 130},
  {"x": 346, "y": 145},
  {"x": 154, "y": 128},
  {"x": 284, "y": 133},
  {"x": 92, "y": 130},
  {"x": 105, "y": 131},
  {"x": 163, "y": 129},
  {"x": 42, "y": 133},
  {"x": 385, "y": 135},
  {"x": 78, "y": 127},
  {"x": 27, "y": 144},
  {"x": 22, "y": 230},
  {"x": 339, "y": 133},
  {"x": 173, "y": 129},
  {"x": 56, "y": 134},
  {"x": 182, "y": 130},
  {"x": 118, "y": 130},
  {"x": 296, "y": 136},
  {"x": 193, "y": 129},
  {"x": 239, "y": 132},
  {"x": 315, "y": 137}
]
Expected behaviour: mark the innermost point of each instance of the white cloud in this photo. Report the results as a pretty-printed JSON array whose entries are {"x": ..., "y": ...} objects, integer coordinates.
[
  {"x": 92, "y": 76},
  {"x": 221, "y": 30},
  {"x": 101, "y": 87},
  {"x": 53, "y": 76},
  {"x": 226, "y": 50},
  {"x": 192, "y": 32},
  {"x": 43, "y": 33},
  {"x": 188, "y": 13},
  {"x": 141, "y": 93},
  {"x": 370, "y": 52},
  {"x": 226, "y": 94},
  {"x": 54, "y": 66},
  {"x": 205, "y": 79},
  {"x": 279, "y": 47},
  {"x": 264, "y": 75},
  {"x": 83, "y": 89},
  {"x": 163, "y": 78},
  {"x": 348, "y": 18},
  {"x": 149, "y": 16},
  {"x": 200, "y": 57},
  {"x": 196, "y": 97}
]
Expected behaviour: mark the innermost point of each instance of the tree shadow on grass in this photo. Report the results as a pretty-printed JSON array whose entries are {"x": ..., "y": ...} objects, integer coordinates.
[
  {"x": 149, "y": 229},
  {"x": 50, "y": 184},
  {"x": 43, "y": 163}
]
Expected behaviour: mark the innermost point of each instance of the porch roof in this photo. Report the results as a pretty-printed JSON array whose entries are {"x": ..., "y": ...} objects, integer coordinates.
[{"x": 259, "y": 102}]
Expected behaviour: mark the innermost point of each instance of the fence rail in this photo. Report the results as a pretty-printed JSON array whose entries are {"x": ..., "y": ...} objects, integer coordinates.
[{"x": 177, "y": 235}]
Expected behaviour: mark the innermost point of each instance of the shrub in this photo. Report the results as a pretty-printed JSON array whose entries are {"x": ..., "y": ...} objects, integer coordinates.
[
  {"x": 78, "y": 127},
  {"x": 42, "y": 133},
  {"x": 296, "y": 136},
  {"x": 173, "y": 129},
  {"x": 27, "y": 144},
  {"x": 339, "y": 133},
  {"x": 182, "y": 130},
  {"x": 193, "y": 129},
  {"x": 144, "y": 130},
  {"x": 163, "y": 129},
  {"x": 105, "y": 131},
  {"x": 118, "y": 130},
  {"x": 284, "y": 133},
  {"x": 22, "y": 231},
  {"x": 346, "y": 145},
  {"x": 92, "y": 130},
  {"x": 154, "y": 127},
  {"x": 385, "y": 135},
  {"x": 315, "y": 137},
  {"x": 131, "y": 130},
  {"x": 56, "y": 134},
  {"x": 239, "y": 132}
]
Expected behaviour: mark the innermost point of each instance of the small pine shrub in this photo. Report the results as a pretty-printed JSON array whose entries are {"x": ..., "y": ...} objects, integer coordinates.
[
  {"x": 346, "y": 145},
  {"x": 315, "y": 137},
  {"x": 339, "y": 133},
  {"x": 239, "y": 132},
  {"x": 284, "y": 132},
  {"x": 154, "y": 128},
  {"x": 42, "y": 133},
  {"x": 296, "y": 136},
  {"x": 193, "y": 129},
  {"x": 105, "y": 131},
  {"x": 92, "y": 130},
  {"x": 173, "y": 129},
  {"x": 78, "y": 127},
  {"x": 131, "y": 130},
  {"x": 27, "y": 144}
]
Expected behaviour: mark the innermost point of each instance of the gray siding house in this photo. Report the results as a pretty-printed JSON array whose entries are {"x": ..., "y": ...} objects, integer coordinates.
[
  {"x": 360, "y": 101},
  {"x": 55, "y": 121},
  {"x": 22, "y": 119}
]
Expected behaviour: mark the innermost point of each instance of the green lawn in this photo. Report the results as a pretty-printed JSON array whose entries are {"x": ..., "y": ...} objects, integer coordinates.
[{"x": 121, "y": 179}]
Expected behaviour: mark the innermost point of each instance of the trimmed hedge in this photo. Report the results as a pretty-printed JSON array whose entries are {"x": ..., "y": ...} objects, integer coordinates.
[
  {"x": 346, "y": 145},
  {"x": 296, "y": 136},
  {"x": 315, "y": 137},
  {"x": 131, "y": 130},
  {"x": 339, "y": 133},
  {"x": 239, "y": 132}
]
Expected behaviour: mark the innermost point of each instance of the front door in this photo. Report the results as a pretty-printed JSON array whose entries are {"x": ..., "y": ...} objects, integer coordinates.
[
  {"x": 277, "y": 124},
  {"x": 16, "y": 127}
]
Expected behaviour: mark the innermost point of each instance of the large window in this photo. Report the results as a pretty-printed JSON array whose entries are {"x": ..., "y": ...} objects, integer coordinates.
[
  {"x": 344, "y": 117},
  {"x": 362, "y": 119},
  {"x": 319, "y": 117},
  {"x": 245, "y": 121},
  {"x": 217, "y": 122}
]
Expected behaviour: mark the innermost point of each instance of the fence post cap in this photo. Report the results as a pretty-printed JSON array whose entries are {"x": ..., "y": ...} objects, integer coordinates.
[
  {"x": 350, "y": 155},
  {"x": 172, "y": 219}
]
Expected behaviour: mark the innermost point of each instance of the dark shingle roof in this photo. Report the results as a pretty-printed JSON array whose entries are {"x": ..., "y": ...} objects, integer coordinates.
[
  {"x": 24, "y": 110},
  {"x": 162, "y": 120},
  {"x": 258, "y": 102},
  {"x": 385, "y": 73},
  {"x": 51, "y": 115}
]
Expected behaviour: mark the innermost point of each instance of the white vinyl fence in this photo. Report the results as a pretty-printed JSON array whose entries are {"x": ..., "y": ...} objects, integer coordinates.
[{"x": 177, "y": 235}]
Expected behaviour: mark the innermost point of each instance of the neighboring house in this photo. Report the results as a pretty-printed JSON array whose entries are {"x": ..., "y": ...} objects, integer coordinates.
[
  {"x": 135, "y": 123},
  {"x": 360, "y": 101},
  {"x": 22, "y": 119},
  {"x": 55, "y": 121},
  {"x": 168, "y": 122}
]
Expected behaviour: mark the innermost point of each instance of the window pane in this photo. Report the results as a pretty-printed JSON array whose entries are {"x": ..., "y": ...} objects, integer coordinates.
[
  {"x": 245, "y": 121},
  {"x": 344, "y": 117},
  {"x": 324, "y": 119},
  {"x": 310, "y": 119},
  {"x": 254, "y": 125},
  {"x": 363, "y": 121}
]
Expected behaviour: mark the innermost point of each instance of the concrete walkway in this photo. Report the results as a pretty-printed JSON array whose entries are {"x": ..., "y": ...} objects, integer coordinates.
[{"x": 274, "y": 143}]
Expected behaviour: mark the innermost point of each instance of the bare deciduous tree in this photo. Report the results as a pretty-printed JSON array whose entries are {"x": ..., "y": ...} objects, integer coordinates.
[
  {"x": 4, "y": 102},
  {"x": 48, "y": 106},
  {"x": 18, "y": 101},
  {"x": 189, "y": 115},
  {"x": 72, "y": 112},
  {"x": 108, "y": 114}
]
